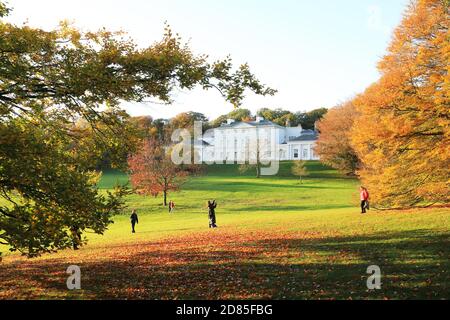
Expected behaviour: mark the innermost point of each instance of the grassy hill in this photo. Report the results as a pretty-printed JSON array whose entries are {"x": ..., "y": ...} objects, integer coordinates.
[{"x": 276, "y": 239}]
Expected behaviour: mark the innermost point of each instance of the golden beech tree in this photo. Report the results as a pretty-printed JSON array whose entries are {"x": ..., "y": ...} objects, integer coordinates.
[
  {"x": 402, "y": 134},
  {"x": 334, "y": 146}
]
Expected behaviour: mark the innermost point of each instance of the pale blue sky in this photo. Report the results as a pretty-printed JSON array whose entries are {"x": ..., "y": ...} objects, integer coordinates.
[{"x": 317, "y": 53}]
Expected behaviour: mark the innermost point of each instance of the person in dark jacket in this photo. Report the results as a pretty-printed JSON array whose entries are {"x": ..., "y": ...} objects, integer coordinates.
[
  {"x": 76, "y": 236},
  {"x": 212, "y": 205},
  {"x": 134, "y": 219}
]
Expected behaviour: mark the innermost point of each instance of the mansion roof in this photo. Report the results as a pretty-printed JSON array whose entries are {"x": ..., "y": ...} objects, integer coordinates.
[
  {"x": 261, "y": 123},
  {"x": 306, "y": 135}
]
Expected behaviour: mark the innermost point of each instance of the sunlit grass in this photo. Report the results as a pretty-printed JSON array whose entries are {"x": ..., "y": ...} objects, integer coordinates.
[{"x": 277, "y": 239}]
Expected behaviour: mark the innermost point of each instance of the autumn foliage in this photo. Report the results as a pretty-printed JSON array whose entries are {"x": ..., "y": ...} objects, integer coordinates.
[
  {"x": 333, "y": 146},
  {"x": 402, "y": 134},
  {"x": 152, "y": 171}
]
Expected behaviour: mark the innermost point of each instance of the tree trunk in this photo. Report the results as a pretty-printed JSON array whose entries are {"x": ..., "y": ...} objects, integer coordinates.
[
  {"x": 258, "y": 163},
  {"x": 166, "y": 187}
]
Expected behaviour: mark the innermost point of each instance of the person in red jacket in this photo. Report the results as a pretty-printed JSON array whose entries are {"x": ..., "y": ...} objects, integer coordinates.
[{"x": 364, "y": 196}]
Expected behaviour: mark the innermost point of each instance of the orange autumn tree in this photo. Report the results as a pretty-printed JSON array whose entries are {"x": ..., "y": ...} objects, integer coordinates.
[
  {"x": 402, "y": 135},
  {"x": 333, "y": 145},
  {"x": 152, "y": 171}
]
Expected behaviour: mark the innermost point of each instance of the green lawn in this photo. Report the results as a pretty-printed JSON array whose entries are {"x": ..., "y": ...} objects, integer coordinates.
[
  {"x": 243, "y": 200},
  {"x": 277, "y": 239}
]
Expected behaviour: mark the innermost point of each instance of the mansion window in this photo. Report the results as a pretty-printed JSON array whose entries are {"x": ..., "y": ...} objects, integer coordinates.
[
  {"x": 296, "y": 153},
  {"x": 305, "y": 153}
]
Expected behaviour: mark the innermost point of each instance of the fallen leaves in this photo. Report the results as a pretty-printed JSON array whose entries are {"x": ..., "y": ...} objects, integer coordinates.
[{"x": 220, "y": 264}]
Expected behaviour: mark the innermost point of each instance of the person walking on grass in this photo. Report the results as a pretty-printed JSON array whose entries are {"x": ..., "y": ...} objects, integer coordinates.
[
  {"x": 364, "y": 196},
  {"x": 76, "y": 236},
  {"x": 171, "y": 206},
  {"x": 212, "y": 205},
  {"x": 134, "y": 219}
]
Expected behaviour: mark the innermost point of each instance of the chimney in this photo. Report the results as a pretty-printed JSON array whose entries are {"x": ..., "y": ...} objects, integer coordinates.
[
  {"x": 259, "y": 119},
  {"x": 288, "y": 123},
  {"x": 230, "y": 121}
]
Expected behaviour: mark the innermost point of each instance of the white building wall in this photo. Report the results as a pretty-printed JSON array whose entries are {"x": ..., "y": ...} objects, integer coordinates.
[{"x": 234, "y": 144}]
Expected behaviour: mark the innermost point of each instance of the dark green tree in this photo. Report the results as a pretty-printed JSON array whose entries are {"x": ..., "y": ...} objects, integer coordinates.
[
  {"x": 239, "y": 114},
  {"x": 309, "y": 119}
]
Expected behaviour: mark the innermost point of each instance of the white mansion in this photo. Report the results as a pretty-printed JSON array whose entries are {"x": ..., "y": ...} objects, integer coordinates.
[{"x": 237, "y": 141}]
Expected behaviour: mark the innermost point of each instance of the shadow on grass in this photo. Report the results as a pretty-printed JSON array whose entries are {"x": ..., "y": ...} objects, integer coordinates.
[
  {"x": 414, "y": 265},
  {"x": 260, "y": 185},
  {"x": 288, "y": 208},
  {"x": 315, "y": 170}
]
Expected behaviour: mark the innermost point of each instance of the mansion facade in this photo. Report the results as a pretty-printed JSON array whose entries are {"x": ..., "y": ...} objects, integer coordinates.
[{"x": 240, "y": 142}]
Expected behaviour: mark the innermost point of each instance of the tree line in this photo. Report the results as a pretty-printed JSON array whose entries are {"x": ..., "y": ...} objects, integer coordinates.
[
  {"x": 306, "y": 119},
  {"x": 139, "y": 128},
  {"x": 162, "y": 128}
]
